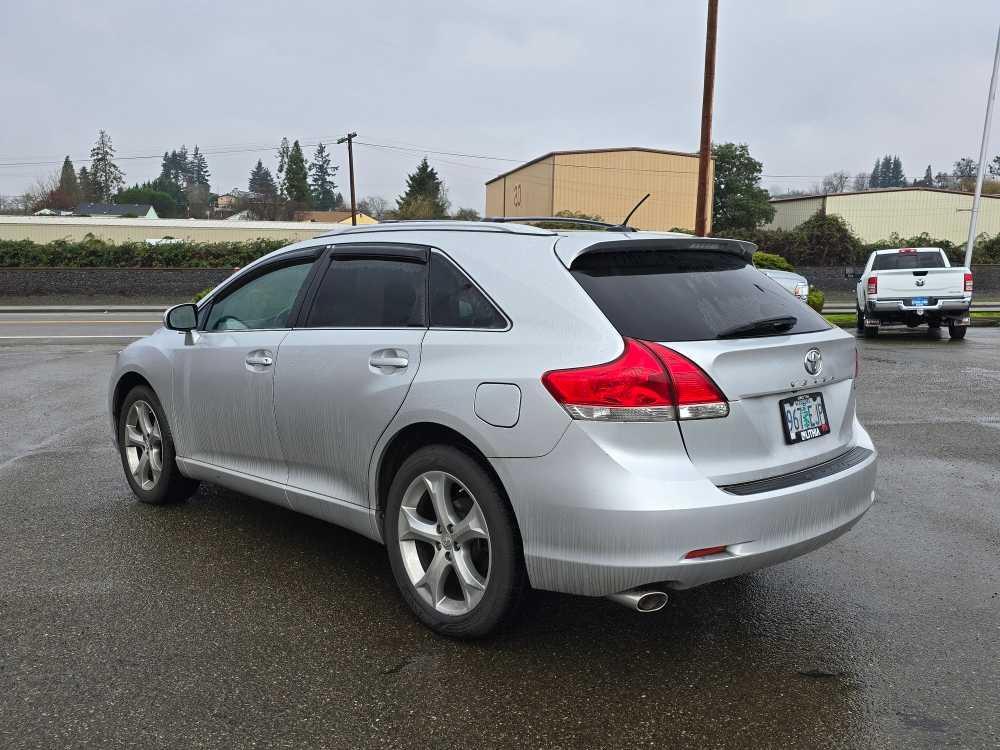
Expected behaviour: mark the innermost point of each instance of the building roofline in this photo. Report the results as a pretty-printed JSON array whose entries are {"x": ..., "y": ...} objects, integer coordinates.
[
  {"x": 543, "y": 157},
  {"x": 877, "y": 190}
]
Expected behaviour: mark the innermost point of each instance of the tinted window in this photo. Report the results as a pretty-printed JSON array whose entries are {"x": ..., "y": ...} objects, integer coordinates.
[
  {"x": 902, "y": 261},
  {"x": 455, "y": 302},
  {"x": 264, "y": 302},
  {"x": 370, "y": 293},
  {"x": 670, "y": 295}
]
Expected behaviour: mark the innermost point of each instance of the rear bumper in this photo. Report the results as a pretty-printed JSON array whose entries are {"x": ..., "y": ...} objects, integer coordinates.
[
  {"x": 596, "y": 520},
  {"x": 953, "y": 305}
]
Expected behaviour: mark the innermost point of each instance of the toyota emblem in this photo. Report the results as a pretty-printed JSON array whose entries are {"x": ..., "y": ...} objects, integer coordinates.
[{"x": 813, "y": 362}]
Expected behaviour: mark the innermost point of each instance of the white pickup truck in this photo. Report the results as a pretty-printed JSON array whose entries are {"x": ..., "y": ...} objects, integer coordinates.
[{"x": 911, "y": 286}]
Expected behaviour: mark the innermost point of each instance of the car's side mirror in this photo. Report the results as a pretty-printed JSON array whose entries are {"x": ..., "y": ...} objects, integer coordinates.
[{"x": 182, "y": 317}]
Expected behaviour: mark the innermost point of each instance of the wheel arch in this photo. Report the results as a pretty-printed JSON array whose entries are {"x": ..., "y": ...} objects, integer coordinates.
[
  {"x": 126, "y": 382},
  {"x": 414, "y": 436}
]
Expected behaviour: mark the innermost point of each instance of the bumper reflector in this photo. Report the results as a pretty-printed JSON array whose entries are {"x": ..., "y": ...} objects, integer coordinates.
[{"x": 705, "y": 552}]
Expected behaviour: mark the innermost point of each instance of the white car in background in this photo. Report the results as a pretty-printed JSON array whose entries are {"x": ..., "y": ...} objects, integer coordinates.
[{"x": 793, "y": 282}]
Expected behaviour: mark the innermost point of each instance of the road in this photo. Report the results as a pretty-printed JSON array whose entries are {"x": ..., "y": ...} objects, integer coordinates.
[
  {"x": 227, "y": 622},
  {"x": 82, "y": 326}
]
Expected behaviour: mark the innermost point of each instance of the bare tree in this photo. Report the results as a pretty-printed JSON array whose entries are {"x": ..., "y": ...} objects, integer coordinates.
[
  {"x": 860, "y": 182},
  {"x": 836, "y": 182},
  {"x": 375, "y": 206},
  {"x": 37, "y": 194}
]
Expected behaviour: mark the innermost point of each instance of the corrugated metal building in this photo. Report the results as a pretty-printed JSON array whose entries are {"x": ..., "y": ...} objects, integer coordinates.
[
  {"x": 602, "y": 182},
  {"x": 875, "y": 214},
  {"x": 44, "y": 229}
]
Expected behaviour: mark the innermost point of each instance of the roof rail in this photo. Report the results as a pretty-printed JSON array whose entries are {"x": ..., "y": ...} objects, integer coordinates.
[
  {"x": 434, "y": 225},
  {"x": 559, "y": 220}
]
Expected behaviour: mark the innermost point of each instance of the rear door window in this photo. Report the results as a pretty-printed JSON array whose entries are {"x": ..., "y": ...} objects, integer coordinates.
[
  {"x": 370, "y": 293},
  {"x": 681, "y": 295},
  {"x": 905, "y": 261}
]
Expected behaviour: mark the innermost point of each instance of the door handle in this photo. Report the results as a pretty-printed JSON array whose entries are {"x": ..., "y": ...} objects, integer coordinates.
[
  {"x": 261, "y": 359},
  {"x": 395, "y": 359}
]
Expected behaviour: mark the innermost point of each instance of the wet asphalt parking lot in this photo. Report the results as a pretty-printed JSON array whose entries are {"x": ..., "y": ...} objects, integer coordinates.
[{"x": 228, "y": 622}]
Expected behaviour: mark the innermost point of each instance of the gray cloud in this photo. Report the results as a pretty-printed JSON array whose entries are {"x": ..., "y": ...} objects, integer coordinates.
[{"x": 812, "y": 87}]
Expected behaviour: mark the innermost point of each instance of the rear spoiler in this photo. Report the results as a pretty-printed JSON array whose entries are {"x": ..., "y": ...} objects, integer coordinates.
[{"x": 568, "y": 253}]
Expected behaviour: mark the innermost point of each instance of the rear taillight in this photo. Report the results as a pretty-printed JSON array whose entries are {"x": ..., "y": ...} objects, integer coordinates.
[
  {"x": 647, "y": 383},
  {"x": 968, "y": 282},
  {"x": 873, "y": 285}
]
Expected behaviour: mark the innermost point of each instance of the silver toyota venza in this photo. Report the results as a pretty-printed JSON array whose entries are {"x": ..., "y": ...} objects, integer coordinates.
[{"x": 604, "y": 413}]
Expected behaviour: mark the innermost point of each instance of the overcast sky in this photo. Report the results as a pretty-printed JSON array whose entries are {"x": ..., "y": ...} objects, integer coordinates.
[{"x": 811, "y": 86}]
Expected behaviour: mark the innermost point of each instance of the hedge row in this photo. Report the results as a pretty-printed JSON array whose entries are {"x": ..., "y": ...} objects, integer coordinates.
[
  {"x": 94, "y": 253},
  {"x": 819, "y": 241},
  {"x": 827, "y": 240}
]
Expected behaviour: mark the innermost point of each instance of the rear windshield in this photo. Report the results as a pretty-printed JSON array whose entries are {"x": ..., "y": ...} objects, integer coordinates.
[
  {"x": 680, "y": 295},
  {"x": 903, "y": 261}
]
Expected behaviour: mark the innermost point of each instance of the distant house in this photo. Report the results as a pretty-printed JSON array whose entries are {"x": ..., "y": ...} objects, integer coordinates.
[
  {"x": 332, "y": 217},
  {"x": 121, "y": 210}
]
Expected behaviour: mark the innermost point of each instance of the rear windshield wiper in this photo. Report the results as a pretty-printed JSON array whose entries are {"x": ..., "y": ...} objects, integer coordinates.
[{"x": 763, "y": 326}]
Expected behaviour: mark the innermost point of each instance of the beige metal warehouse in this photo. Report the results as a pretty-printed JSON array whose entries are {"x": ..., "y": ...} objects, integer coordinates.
[
  {"x": 44, "y": 229},
  {"x": 876, "y": 214},
  {"x": 603, "y": 182}
]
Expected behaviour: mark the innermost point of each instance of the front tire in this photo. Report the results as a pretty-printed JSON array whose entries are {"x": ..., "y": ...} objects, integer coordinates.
[
  {"x": 452, "y": 544},
  {"x": 957, "y": 331},
  {"x": 146, "y": 447}
]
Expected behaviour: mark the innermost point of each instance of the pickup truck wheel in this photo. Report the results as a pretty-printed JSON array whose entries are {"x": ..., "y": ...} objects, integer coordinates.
[
  {"x": 956, "y": 331},
  {"x": 861, "y": 319},
  {"x": 870, "y": 332}
]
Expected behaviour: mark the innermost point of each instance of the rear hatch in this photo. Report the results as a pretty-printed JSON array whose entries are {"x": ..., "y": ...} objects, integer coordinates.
[
  {"x": 787, "y": 374},
  {"x": 909, "y": 273}
]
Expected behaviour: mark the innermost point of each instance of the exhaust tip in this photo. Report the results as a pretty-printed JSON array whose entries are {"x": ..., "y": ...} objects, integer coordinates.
[
  {"x": 651, "y": 601},
  {"x": 641, "y": 600}
]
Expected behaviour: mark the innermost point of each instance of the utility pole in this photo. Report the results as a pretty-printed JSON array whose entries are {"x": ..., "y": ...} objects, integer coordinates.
[
  {"x": 982, "y": 155},
  {"x": 703, "y": 207},
  {"x": 349, "y": 138}
]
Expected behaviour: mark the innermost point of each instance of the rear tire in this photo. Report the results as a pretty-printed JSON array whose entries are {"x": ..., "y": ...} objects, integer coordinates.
[
  {"x": 870, "y": 332},
  {"x": 860, "y": 324},
  {"x": 146, "y": 448},
  {"x": 957, "y": 331},
  {"x": 453, "y": 544}
]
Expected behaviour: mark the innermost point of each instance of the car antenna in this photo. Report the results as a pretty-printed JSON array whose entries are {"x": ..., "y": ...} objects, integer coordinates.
[{"x": 634, "y": 209}]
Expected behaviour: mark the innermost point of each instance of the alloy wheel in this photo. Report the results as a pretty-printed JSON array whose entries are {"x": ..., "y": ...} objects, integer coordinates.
[
  {"x": 143, "y": 445},
  {"x": 444, "y": 542}
]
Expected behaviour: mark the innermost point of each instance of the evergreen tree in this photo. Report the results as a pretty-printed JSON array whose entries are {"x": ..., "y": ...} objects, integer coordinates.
[
  {"x": 199, "y": 168},
  {"x": 166, "y": 166},
  {"x": 885, "y": 172},
  {"x": 928, "y": 180},
  {"x": 86, "y": 189},
  {"x": 425, "y": 196},
  {"x": 69, "y": 186},
  {"x": 261, "y": 181},
  {"x": 106, "y": 178},
  {"x": 896, "y": 172},
  {"x": 283, "y": 151},
  {"x": 182, "y": 167},
  {"x": 296, "y": 184},
  {"x": 994, "y": 166},
  {"x": 321, "y": 180},
  {"x": 875, "y": 180}
]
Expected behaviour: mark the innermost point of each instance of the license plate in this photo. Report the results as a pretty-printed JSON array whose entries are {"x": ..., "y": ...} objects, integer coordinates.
[
  {"x": 919, "y": 302},
  {"x": 804, "y": 417}
]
